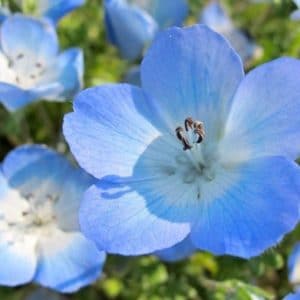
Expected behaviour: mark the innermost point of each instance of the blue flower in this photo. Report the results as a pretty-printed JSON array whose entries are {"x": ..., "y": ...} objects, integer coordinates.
[
  {"x": 200, "y": 151},
  {"x": 215, "y": 16},
  {"x": 50, "y": 9},
  {"x": 296, "y": 14},
  {"x": 40, "y": 241},
  {"x": 32, "y": 68},
  {"x": 292, "y": 297},
  {"x": 132, "y": 24},
  {"x": 294, "y": 266}
]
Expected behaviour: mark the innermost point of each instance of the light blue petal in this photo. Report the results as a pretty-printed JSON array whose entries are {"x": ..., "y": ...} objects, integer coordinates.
[
  {"x": 56, "y": 9},
  {"x": 297, "y": 2},
  {"x": 28, "y": 166},
  {"x": 264, "y": 118},
  {"x": 168, "y": 12},
  {"x": 192, "y": 72},
  {"x": 21, "y": 35},
  {"x": 292, "y": 297},
  {"x": 129, "y": 27},
  {"x": 72, "y": 264},
  {"x": 122, "y": 219},
  {"x": 66, "y": 77},
  {"x": 18, "y": 254},
  {"x": 215, "y": 17},
  {"x": 254, "y": 214},
  {"x": 295, "y": 15},
  {"x": 294, "y": 264},
  {"x": 70, "y": 72},
  {"x": 13, "y": 97},
  {"x": 4, "y": 13},
  {"x": 177, "y": 252},
  {"x": 106, "y": 132}
]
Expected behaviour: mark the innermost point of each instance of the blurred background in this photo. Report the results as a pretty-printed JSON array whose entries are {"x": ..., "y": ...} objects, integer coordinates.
[{"x": 202, "y": 276}]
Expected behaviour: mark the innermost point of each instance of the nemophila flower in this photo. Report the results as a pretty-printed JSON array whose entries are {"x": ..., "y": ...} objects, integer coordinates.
[
  {"x": 132, "y": 24},
  {"x": 200, "y": 151},
  {"x": 215, "y": 16},
  {"x": 294, "y": 267},
  {"x": 40, "y": 241},
  {"x": 53, "y": 10},
  {"x": 292, "y": 297},
  {"x": 32, "y": 68},
  {"x": 296, "y": 14}
]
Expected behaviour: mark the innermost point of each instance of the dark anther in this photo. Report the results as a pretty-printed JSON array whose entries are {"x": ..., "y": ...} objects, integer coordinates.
[
  {"x": 17, "y": 79},
  {"x": 10, "y": 64},
  {"x": 32, "y": 76},
  {"x": 19, "y": 56},
  {"x": 38, "y": 65},
  {"x": 199, "y": 131},
  {"x": 25, "y": 213},
  {"x": 181, "y": 136},
  {"x": 188, "y": 123}
]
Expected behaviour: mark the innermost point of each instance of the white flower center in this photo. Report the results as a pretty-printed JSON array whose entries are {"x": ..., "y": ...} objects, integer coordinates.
[
  {"x": 27, "y": 214},
  {"x": 197, "y": 162},
  {"x": 23, "y": 70}
]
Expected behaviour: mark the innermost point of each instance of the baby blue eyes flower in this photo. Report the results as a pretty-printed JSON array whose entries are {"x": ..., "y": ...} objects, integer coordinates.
[
  {"x": 132, "y": 24},
  {"x": 32, "y": 68},
  {"x": 201, "y": 151},
  {"x": 215, "y": 16},
  {"x": 296, "y": 14},
  {"x": 292, "y": 297},
  {"x": 53, "y": 10},
  {"x": 40, "y": 241}
]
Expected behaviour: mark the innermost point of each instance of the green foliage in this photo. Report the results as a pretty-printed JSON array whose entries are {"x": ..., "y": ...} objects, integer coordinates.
[{"x": 202, "y": 276}]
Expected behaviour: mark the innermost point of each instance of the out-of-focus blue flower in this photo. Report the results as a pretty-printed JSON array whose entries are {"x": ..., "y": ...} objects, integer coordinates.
[
  {"x": 44, "y": 294},
  {"x": 40, "y": 241},
  {"x": 292, "y": 297},
  {"x": 53, "y": 10},
  {"x": 296, "y": 14},
  {"x": 215, "y": 16},
  {"x": 294, "y": 266},
  {"x": 200, "y": 152},
  {"x": 32, "y": 68},
  {"x": 132, "y": 24}
]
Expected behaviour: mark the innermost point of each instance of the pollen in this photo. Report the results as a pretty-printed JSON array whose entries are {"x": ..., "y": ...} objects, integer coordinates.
[{"x": 192, "y": 133}]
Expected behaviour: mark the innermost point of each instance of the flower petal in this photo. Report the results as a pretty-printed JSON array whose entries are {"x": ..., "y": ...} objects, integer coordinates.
[
  {"x": 21, "y": 35},
  {"x": 122, "y": 220},
  {"x": 168, "y": 12},
  {"x": 259, "y": 208},
  {"x": 64, "y": 79},
  {"x": 14, "y": 98},
  {"x": 129, "y": 27},
  {"x": 68, "y": 261},
  {"x": 178, "y": 252},
  {"x": 18, "y": 252},
  {"x": 106, "y": 132},
  {"x": 55, "y": 10},
  {"x": 264, "y": 119},
  {"x": 37, "y": 170},
  {"x": 192, "y": 72}
]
